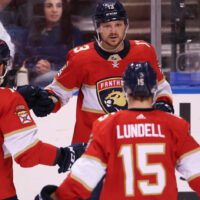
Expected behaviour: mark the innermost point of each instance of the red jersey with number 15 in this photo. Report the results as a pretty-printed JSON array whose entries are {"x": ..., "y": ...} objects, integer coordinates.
[
  {"x": 137, "y": 151},
  {"x": 98, "y": 77}
]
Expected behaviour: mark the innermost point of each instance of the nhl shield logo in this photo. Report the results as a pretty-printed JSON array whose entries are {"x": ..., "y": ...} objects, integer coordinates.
[{"x": 110, "y": 94}]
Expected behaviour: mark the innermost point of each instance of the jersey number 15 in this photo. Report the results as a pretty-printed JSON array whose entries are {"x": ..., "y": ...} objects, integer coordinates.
[{"x": 145, "y": 168}]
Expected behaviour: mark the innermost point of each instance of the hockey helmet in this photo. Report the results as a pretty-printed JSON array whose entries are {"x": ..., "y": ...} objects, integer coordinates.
[
  {"x": 140, "y": 79},
  {"x": 109, "y": 10},
  {"x": 4, "y": 59}
]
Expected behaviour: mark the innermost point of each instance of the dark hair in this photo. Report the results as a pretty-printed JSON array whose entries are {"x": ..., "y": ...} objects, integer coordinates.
[{"x": 39, "y": 22}]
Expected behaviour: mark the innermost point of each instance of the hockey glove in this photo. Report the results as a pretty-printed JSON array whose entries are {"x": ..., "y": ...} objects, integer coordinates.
[
  {"x": 45, "y": 103},
  {"x": 46, "y": 192},
  {"x": 164, "y": 106},
  {"x": 39, "y": 100},
  {"x": 29, "y": 94},
  {"x": 68, "y": 155}
]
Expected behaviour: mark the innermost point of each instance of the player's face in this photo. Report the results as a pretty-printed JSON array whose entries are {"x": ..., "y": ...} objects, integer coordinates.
[
  {"x": 53, "y": 10},
  {"x": 112, "y": 33}
]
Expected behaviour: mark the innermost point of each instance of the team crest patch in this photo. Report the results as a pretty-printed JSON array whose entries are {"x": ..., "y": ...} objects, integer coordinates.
[
  {"x": 23, "y": 114},
  {"x": 110, "y": 94}
]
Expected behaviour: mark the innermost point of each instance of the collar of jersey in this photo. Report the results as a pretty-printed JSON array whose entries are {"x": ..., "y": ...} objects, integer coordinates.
[
  {"x": 106, "y": 54},
  {"x": 141, "y": 109}
]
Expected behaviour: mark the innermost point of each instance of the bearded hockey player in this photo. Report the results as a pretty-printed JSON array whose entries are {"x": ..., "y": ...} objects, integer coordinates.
[
  {"x": 18, "y": 136},
  {"x": 137, "y": 150},
  {"x": 96, "y": 68}
]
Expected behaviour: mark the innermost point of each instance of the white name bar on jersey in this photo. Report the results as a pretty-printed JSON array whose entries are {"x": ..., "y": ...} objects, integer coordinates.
[{"x": 138, "y": 130}]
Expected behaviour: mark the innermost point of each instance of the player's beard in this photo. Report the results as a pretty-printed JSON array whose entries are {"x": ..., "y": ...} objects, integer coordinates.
[{"x": 113, "y": 43}]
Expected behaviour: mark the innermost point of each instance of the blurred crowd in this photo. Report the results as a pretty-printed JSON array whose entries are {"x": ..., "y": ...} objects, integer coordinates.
[{"x": 42, "y": 32}]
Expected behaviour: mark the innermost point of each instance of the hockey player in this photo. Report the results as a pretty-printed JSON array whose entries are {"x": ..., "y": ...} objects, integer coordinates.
[
  {"x": 96, "y": 68},
  {"x": 136, "y": 149},
  {"x": 18, "y": 137}
]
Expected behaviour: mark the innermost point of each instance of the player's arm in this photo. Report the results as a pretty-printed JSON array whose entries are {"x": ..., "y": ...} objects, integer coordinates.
[
  {"x": 47, "y": 154},
  {"x": 163, "y": 99},
  {"x": 189, "y": 166},
  {"x": 93, "y": 163},
  {"x": 70, "y": 78},
  {"x": 188, "y": 153},
  {"x": 163, "y": 96},
  {"x": 79, "y": 183},
  {"x": 21, "y": 142},
  {"x": 54, "y": 96}
]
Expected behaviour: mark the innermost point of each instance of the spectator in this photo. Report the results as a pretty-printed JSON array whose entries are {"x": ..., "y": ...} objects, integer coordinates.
[
  {"x": 3, "y": 4},
  {"x": 14, "y": 12},
  {"x": 51, "y": 36},
  {"x": 14, "y": 17}
]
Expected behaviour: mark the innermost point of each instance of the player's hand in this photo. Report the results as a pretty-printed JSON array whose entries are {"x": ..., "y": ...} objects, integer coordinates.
[
  {"x": 164, "y": 106},
  {"x": 45, "y": 103},
  {"x": 29, "y": 94},
  {"x": 41, "y": 101},
  {"x": 46, "y": 192},
  {"x": 68, "y": 155}
]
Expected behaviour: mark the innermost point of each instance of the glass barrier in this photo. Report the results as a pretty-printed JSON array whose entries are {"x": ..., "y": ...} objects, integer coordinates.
[
  {"x": 181, "y": 41},
  {"x": 180, "y": 29}
]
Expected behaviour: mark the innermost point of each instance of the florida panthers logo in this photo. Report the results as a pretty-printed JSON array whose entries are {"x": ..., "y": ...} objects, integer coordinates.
[
  {"x": 115, "y": 99},
  {"x": 110, "y": 94}
]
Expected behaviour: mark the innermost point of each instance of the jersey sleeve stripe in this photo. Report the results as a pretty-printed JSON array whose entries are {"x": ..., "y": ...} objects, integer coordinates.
[
  {"x": 61, "y": 86},
  {"x": 189, "y": 153},
  {"x": 16, "y": 143},
  {"x": 63, "y": 93},
  {"x": 7, "y": 135},
  {"x": 88, "y": 165},
  {"x": 96, "y": 159},
  {"x": 161, "y": 81},
  {"x": 164, "y": 90},
  {"x": 93, "y": 110},
  {"x": 6, "y": 152},
  {"x": 193, "y": 177},
  {"x": 7, "y": 155},
  {"x": 27, "y": 147},
  {"x": 184, "y": 165},
  {"x": 85, "y": 185}
]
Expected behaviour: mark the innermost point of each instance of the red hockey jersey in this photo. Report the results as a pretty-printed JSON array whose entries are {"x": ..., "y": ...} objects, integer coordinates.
[
  {"x": 137, "y": 151},
  {"x": 18, "y": 140},
  {"x": 98, "y": 77}
]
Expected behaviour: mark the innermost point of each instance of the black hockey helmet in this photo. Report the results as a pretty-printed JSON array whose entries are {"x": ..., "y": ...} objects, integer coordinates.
[
  {"x": 109, "y": 10},
  {"x": 4, "y": 52},
  {"x": 4, "y": 58},
  {"x": 140, "y": 79}
]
